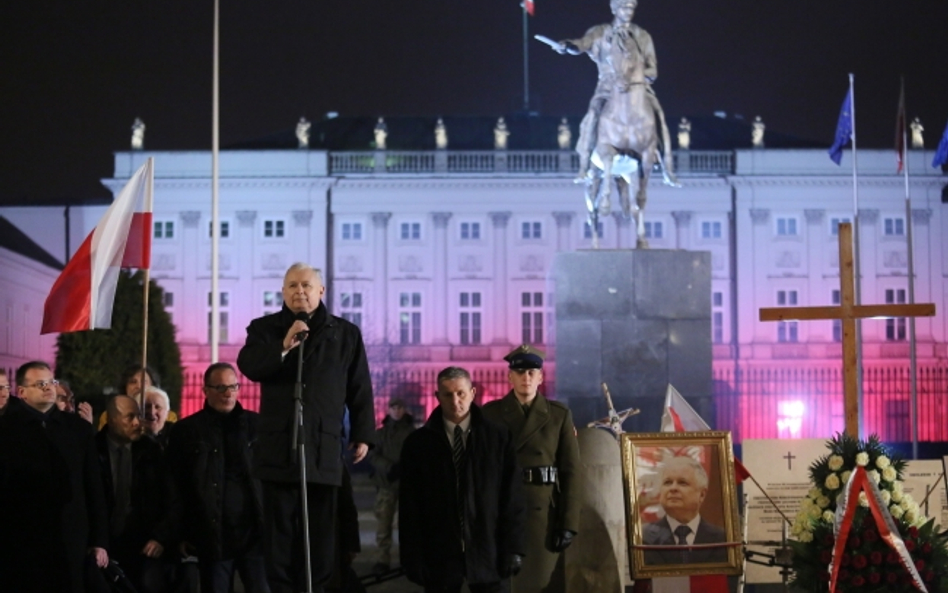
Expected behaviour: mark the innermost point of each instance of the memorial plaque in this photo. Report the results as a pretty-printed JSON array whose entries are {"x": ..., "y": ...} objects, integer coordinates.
[
  {"x": 782, "y": 469},
  {"x": 923, "y": 477}
]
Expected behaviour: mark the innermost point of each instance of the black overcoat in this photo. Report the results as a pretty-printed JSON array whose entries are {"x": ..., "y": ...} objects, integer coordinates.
[
  {"x": 429, "y": 531},
  {"x": 335, "y": 377},
  {"x": 196, "y": 457},
  {"x": 51, "y": 497}
]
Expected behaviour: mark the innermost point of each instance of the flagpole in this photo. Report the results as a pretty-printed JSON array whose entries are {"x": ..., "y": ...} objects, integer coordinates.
[
  {"x": 215, "y": 198},
  {"x": 913, "y": 360},
  {"x": 149, "y": 204},
  {"x": 526, "y": 61},
  {"x": 856, "y": 265}
]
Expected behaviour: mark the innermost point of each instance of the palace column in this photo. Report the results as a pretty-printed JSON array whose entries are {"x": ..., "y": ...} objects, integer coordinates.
[
  {"x": 816, "y": 246},
  {"x": 439, "y": 276},
  {"x": 564, "y": 221},
  {"x": 246, "y": 304},
  {"x": 380, "y": 275},
  {"x": 302, "y": 220},
  {"x": 501, "y": 323},
  {"x": 921, "y": 236},
  {"x": 682, "y": 225},
  {"x": 623, "y": 231},
  {"x": 194, "y": 325}
]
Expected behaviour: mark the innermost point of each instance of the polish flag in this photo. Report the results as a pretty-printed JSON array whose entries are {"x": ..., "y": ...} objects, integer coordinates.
[
  {"x": 83, "y": 295},
  {"x": 528, "y": 6}
]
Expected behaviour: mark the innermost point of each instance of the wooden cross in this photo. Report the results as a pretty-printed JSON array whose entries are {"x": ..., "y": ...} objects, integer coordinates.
[{"x": 848, "y": 312}]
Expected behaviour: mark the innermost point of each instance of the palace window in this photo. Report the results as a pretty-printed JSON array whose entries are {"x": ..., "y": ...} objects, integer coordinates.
[
  {"x": 787, "y": 227},
  {"x": 163, "y": 229},
  {"x": 531, "y": 317},
  {"x": 410, "y": 231},
  {"x": 587, "y": 230},
  {"x": 273, "y": 229},
  {"x": 837, "y": 323},
  {"x": 717, "y": 318},
  {"x": 893, "y": 226},
  {"x": 352, "y": 231},
  {"x": 531, "y": 230},
  {"x": 223, "y": 315},
  {"x": 711, "y": 229},
  {"x": 654, "y": 230},
  {"x": 835, "y": 222},
  {"x": 787, "y": 331},
  {"x": 272, "y": 301},
  {"x": 409, "y": 318},
  {"x": 470, "y": 311},
  {"x": 470, "y": 231},
  {"x": 895, "y": 326},
  {"x": 224, "y": 226},
  {"x": 350, "y": 305}
]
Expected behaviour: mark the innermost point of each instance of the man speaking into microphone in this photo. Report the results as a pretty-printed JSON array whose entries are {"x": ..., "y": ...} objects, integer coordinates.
[{"x": 335, "y": 376}]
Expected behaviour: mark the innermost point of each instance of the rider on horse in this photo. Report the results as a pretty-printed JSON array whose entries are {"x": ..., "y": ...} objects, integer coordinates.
[{"x": 611, "y": 46}]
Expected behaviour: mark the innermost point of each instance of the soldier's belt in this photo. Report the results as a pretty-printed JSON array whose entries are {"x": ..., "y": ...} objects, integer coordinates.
[{"x": 539, "y": 475}]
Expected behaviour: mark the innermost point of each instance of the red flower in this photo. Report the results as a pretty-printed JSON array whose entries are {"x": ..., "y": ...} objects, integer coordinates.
[
  {"x": 913, "y": 532},
  {"x": 920, "y": 565},
  {"x": 929, "y": 576},
  {"x": 892, "y": 558},
  {"x": 876, "y": 557},
  {"x": 843, "y": 575},
  {"x": 870, "y": 535},
  {"x": 828, "y": 540},
  {"x": 926, "y": 548},
  {"x": 874, "y": 578},
  {"x": 858, "y": 581},
  {"x": 826, "y": 556},
  {"x": 891, "y": 577},
  {"x": 910, "y": 545},
  {"x": 859, "y": 561},
  {"x": 854, "y": 542},
  {"x": 845, "y": 560}
]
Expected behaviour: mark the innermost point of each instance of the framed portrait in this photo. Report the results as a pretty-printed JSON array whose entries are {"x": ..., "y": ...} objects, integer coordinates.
[{"x": 681, "y": 504}]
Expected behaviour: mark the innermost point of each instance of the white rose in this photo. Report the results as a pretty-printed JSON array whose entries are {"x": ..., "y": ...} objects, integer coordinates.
[
  {"x": 845, "y": 476},
  {"x": 829, "y": 516},
  {"x": 822, "y": 502},
  {"x": 806, "y": 537},
  {"x": 835, "y": 462},
  {"x": 886, "y": 497},
  {"x": 874, "y": 476},
  {"x": 805, "y": 504},
  {"x": 896, "y": 511},
  {"x": 897, "y": 495},
  {"x": 910, "y": 516},
  {"x": 889, "y": 474},
  {"x": 883, "y": 462},
  {"x": 814, "y": 493},
  {"x": 814, "y": 512},
  {"x": 863, "y": 499},
  {"x": 897, "y": 486},
  {"x": 832, "y": 482},
  {"x": 862, "y": 459}
]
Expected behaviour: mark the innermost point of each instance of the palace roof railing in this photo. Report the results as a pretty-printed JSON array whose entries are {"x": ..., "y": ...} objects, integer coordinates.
[{"x": 555, "y": 162}]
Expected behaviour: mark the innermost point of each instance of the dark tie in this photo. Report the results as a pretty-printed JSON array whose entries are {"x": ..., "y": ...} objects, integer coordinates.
[
  {"x": 682, "y": 532},
  {"x": 458, "y": 454},
  {"x": 122, "y": 486}
]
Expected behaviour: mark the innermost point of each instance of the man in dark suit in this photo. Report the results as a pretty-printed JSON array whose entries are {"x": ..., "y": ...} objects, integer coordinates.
[
  {"x": 684, "y": 485},
  {"x": 335, "y": 378},
  {"x": 461, "y": 507},
  {"x": 548, "y": 454},
  {"x": 137, "y": 495},
  {"x": 50, "y": 491}
]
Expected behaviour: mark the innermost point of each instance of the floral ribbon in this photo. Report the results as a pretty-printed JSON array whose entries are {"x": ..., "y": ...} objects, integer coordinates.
[{"x": 845, "y": 511}]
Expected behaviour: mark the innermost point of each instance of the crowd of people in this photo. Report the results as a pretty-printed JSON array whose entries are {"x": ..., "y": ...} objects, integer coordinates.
[{"x": 488, "y": 496}]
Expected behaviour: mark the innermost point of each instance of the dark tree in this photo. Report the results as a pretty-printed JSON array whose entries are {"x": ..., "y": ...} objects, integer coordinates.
[{"x": 92, "y": 361}]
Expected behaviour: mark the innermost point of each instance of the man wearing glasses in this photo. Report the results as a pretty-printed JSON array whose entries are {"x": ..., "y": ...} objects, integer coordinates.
[
  {"x": 4, "y": 390},
  {"x": 51, "y": 487},
  {"x": 220, "y": 505}
]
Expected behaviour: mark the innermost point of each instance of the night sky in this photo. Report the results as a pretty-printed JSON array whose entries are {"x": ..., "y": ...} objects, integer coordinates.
[{"x": 75, "y": 73}]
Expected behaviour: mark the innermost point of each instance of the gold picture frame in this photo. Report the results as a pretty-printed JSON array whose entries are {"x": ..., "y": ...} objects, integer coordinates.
[{"x": 662, "y": 483}]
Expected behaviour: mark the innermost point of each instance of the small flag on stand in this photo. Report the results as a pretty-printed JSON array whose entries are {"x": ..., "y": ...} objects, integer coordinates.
[
  {"x": 528, "y": 6},
  {"x": 83, "y": 295},
  {"x": 844, "y": 129},
  {"x": 941, "y": 154},
  {"x": 900, "y": 130}
]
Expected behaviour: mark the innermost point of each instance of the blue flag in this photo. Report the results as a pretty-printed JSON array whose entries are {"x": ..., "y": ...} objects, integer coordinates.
[
  {"x": 941, "y": 155},
  {"x": 844, "y": 129}
]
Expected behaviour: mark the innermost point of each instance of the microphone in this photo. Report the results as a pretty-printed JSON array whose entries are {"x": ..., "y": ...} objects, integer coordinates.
[{"x": 302, "y": 316}]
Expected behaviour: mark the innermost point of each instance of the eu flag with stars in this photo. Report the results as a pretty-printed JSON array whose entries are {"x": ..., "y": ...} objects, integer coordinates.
[
  {"x": 941, "y": 155},
  {"x": 844, "y": 129}
]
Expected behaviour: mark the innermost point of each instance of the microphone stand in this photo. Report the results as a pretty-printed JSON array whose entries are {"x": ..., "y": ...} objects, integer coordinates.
[{"x": 299, "y": 446}]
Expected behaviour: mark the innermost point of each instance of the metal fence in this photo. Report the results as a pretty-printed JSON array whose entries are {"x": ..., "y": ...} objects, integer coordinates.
[{"x": 768, "y": 403}]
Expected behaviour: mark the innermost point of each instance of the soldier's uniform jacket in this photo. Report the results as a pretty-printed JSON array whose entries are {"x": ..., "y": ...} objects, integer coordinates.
[{"x": 543, "y": 438}]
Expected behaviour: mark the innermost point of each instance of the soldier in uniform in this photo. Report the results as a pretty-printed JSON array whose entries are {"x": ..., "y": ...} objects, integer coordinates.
[{"x": 548, "y": 453}]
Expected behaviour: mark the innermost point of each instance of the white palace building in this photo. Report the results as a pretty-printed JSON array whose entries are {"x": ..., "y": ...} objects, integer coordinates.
[{"x": 443, "y": 256}]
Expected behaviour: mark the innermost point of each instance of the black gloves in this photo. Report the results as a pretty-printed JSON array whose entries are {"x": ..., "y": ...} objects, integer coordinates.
[
  {"x": 513, "y": 566},
  {"x": 562, "y": 539}
]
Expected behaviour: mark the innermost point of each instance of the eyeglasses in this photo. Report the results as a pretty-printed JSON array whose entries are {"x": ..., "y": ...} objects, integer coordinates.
[
  {"x": 43, "y": 384},
  {"x": 224, "y": 388},
  {"x": 4, "y": 388}
]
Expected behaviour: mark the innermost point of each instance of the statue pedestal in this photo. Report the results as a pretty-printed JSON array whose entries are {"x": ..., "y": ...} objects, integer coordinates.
[{"x": 637, "y": 320}]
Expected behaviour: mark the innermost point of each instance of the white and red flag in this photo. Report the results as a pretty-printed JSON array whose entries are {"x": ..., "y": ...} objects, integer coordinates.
[
  {"x": 82, "y": 296},
  {"x": 528, "y": 5}
]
